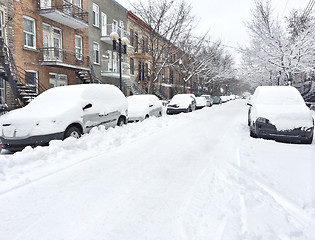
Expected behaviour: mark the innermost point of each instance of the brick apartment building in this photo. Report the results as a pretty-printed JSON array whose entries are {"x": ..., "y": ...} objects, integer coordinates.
[{"x": 50, "y": 42}]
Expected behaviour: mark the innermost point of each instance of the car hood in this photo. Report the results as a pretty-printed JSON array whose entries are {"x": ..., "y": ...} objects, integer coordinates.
[{"x": 284, "y": 117}]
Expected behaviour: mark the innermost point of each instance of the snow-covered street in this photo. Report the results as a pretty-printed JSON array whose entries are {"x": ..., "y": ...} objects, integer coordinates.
[{"x": 188, "y": 176}]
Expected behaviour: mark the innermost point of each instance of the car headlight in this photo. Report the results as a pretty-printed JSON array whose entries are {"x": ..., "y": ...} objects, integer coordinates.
[{"x": 262, "y": 120}]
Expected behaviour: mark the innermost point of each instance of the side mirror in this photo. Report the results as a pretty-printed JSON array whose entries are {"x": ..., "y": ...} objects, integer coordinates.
[{"x": 87, "y": 106}]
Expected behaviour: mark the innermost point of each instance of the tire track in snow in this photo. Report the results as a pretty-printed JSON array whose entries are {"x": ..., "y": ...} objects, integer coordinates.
[{"x": 292, "y": 210}]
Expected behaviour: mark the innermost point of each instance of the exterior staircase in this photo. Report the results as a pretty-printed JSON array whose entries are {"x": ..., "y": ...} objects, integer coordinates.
[
  {"x": 133, "y": 86},
  {"x": 158, "y": 93},
  {"x": 15, "y": 76},
  {"x": 87, "y": 76}
]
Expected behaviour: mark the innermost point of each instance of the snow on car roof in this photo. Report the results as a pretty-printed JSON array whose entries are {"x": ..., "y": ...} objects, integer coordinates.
[{"x": 279, "y": 95}]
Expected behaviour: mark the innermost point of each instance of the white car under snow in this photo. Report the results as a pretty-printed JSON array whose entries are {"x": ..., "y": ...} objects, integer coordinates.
[
  {"x": 143, "y": 106},
  {"x": 62, "y": 112},
  {"x": 280, "y": 113}
]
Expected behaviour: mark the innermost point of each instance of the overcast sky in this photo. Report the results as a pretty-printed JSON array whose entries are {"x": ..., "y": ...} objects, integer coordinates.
[{"x": 225, "y": 18}]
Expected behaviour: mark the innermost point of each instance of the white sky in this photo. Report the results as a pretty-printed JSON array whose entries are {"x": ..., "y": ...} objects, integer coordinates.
[{"x": 225, "y": 18}]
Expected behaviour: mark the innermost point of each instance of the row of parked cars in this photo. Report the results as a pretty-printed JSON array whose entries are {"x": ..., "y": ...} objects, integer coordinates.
[{"x": 74, "y": 110}]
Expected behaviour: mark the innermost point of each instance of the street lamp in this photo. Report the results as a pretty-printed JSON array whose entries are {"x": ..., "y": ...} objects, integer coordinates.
[{"x": 121, "y": 49}]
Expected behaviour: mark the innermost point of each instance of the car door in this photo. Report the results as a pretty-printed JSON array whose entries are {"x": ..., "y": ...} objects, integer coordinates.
[{"x": 93, "y": 117}]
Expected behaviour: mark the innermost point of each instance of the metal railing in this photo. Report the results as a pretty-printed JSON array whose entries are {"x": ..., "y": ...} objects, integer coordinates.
[
  {"x": 58, "y": 55},
  {"x": 108, "y": 66},
  {"x": 65, "y": 7},
  {"x": 109, "y": 28}
]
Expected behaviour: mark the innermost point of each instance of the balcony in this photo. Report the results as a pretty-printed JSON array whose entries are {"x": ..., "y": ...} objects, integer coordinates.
[
  {"x": 109, "y": 28},
  {"x": 111, "y": 69},
  {"x": 64, "y": 58},
  {"x": 63, "y": 12}
]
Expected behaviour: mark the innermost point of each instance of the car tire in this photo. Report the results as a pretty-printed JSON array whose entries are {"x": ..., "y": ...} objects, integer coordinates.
[
  {"x": 146, "y": 116},
  {"x": 121, "y": 121},
  {"x": 72, "y": 131},
  {"x": 160, "y": 114}
]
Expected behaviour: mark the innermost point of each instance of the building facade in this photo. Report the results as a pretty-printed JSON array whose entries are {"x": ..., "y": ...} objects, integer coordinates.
[
  {"x": 6, "y": 34},
  {"x": 107, "y": 16},
  {"x": 50, "y": 46},
  {"x": 139, "y": 57}
]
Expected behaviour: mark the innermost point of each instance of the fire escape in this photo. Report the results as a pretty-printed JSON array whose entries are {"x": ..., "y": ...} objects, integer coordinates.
[{"x": 23, "y": 92}]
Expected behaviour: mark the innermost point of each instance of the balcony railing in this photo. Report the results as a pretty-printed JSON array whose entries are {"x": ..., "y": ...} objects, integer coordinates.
[
  {"x": 62, "y": 57},
  {"x": 111, "y": 69},
  {"x": 109, "y": 28},
  {"x": 63, "y": 12}
]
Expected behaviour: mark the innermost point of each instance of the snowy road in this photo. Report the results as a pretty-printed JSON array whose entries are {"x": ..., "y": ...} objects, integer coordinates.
[{"x": 191, "y": 176}]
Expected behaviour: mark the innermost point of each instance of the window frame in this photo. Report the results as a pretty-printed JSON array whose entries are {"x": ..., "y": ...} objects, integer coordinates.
[
  {"x": 29, "y": 33},
  {"x": 96, "y": 53},
  {"x": 78, "y": 55},
  {"x": 96, "y": 15}
]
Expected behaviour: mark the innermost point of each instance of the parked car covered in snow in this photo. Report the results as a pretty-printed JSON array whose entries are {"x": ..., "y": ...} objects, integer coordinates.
[
  {"x": 201, "y": 102},
  {"x": 62, "y": 112},
  {"x": 209, "y": 100},
  {"x": 224, "y": 99},
  {"x": 143, "y": 106},
  {"x": 217, "y": 100},
  {"x": 181, "y": 103},
  {"x": 280, "y": 113}
]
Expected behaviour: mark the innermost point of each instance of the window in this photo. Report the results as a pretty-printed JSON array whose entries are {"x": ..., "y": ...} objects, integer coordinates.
[
  {"x": 146, "y": 71},
  {"x": 132, "y": 66},
  {"x": 96, "y": 53},
  {"x": 121, "y": 24},
  {"x": 1, "y": 25},
  {"x": 31, "y": 78},
  {"x": 136, "y": 42},
  {"x": 139, "y": 72},
  {"x": 131, "y": 37},
  {"x": 78, "y": 47},
  {"x": 77, "y": 3},
  {"x": 115, "y": 26},
  {"x": 146, "y": 45},
  {"x": 96, "y": 15},
  {"x": 142, "y": 45},
  {"x": 29, "y": 32},
  {"x": 56, "y": 80},
  {"x": 2, "y": 92}
]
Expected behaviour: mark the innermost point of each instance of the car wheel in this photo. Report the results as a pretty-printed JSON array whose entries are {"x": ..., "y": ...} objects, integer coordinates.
[
  {"x": 72, "y": 132},
  {"x": 146, "y": 116},
  {"x": 160, "y": 114},
  {"x": 121, "y": 121}
]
